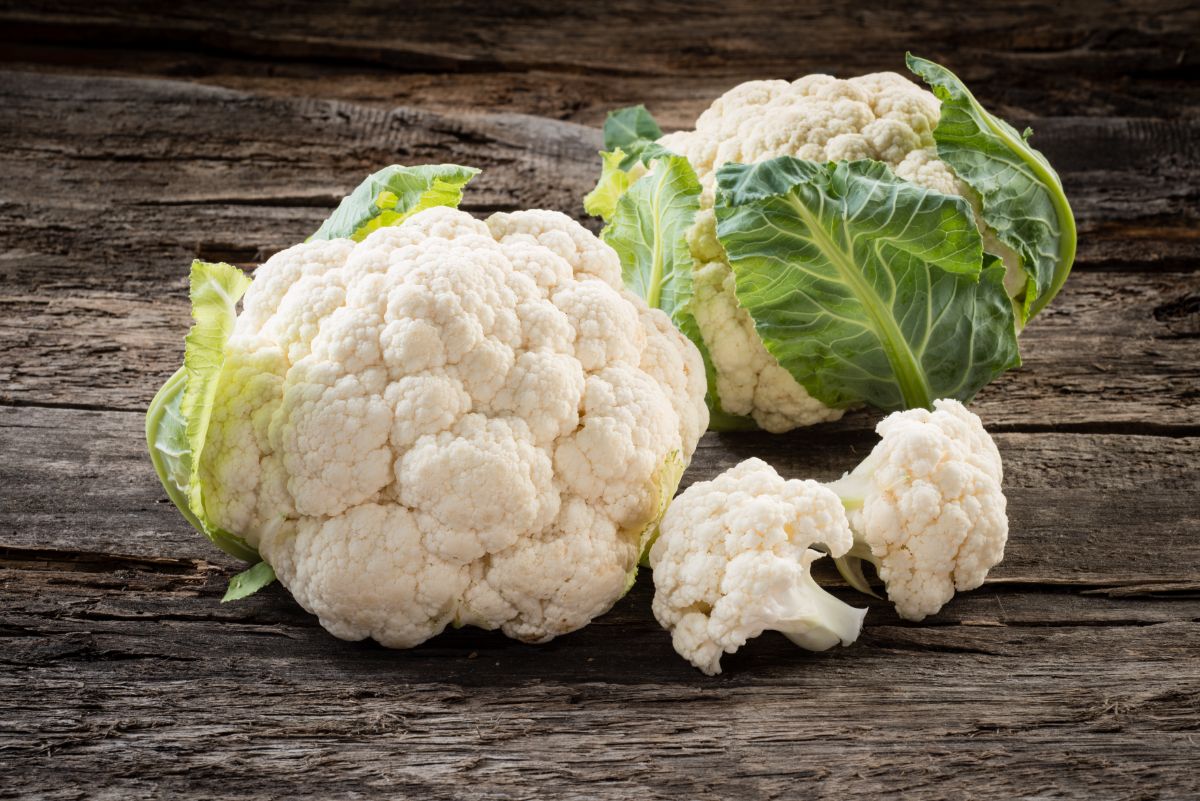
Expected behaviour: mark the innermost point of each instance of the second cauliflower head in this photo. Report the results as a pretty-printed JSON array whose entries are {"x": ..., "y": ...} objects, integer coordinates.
[
  {"x": 830, "y": 243},
  {"x": 882, "y": 116},
  {"x": 453, "y": 421}
]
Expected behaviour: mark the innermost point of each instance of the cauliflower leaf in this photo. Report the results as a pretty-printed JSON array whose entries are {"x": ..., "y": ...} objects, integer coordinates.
[
  {"x": 393, "y": 194},
  {"x": 614, "y": 181},
  {"x": 630, "y": 147},
  {"x": 648, "y": 230},
  {"x": 865, "y": 287},
  {"x": 249, "y": 582},
  {"x": 1022, "y": 196},
  {"x": 178, "y": 417},
  {"x": 633, "y": 131}
]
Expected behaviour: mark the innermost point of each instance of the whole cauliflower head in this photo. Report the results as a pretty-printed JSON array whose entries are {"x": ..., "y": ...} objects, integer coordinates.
[
  {"x": 927, "y": 506},
  {"x": 452, "y": 421},
  {"x": 882, "y": 116},
  {"x": 732, "y": 560}
]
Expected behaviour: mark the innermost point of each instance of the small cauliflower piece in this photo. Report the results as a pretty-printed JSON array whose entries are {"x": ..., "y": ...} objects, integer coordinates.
[
  {"x": 926, "y": 507},
  {"x": 732, "y": 560},
  {"x": 451, "y": 421}
]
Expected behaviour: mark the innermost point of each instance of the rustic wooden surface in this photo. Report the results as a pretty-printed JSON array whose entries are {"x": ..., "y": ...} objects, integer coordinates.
[{"x": 133, "y": 140}]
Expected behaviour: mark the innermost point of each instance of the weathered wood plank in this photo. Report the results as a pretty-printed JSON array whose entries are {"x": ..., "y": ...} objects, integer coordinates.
[
  {"x": 123, "y": 675},
  {"x": 1074, "y": 673},
  {"x": 149, "y": 174},
  {"x": 172, "y": 166},
  {"x": 577, "y": 60},
  {"x": 1086, "y": 509},
  {"x": 138, "y": 706}
]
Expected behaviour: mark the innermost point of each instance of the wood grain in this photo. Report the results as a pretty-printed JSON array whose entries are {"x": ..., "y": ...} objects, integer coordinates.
[
  {"x": 155, "y": 703},
  {"x": 134, "y": 138},
  {"x": 1123, "y": 488},
  {"x": 576, "y": 61},
  {"x": 124, "y": 670}
]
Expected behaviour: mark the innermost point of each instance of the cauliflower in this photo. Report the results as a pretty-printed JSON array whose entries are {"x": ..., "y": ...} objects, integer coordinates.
[
  {"x": 926, "y": 507},
  {"x": 451, "y": 421},
  {"x": 770, "y": 360},
  {"x": 882, "y": 116},
  {"x": 732, "y": 560}
]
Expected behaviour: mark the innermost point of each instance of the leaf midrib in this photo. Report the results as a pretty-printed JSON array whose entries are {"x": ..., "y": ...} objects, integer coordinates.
[
  {"x": 909, "y": 376},
  {"x": 654, "y": 291}
]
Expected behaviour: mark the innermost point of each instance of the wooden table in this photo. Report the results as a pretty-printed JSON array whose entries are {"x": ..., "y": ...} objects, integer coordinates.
[{"x": 135, "y": 136}]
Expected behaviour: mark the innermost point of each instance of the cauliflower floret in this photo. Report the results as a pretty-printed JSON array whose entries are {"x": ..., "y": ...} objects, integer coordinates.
[
  {"x": 750, "y": 381},
  {"x": 881, "y": 116},
  {"x": 453, "y": 420},
  {"x": 355, "y": 570},
  {"x": 927, "y": 507},
  {"x": 540, "y": 585},
  {"x": 732, "y": 560}
]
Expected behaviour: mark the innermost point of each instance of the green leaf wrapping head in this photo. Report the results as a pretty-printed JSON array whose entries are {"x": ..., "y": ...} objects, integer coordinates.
[
  {"x": 864, "y": 286},
  {"x": 1021, "y": 195},
  {"x": 648, "y": 229},
  {"x": 178, "y": 418}
]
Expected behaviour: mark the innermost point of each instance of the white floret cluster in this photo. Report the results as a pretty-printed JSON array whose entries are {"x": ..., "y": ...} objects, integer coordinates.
[
  {"x": 882, "y": 116},
  {"x": 732, "y": 561},
  {"x": 454, "y": 421},
  {"x": 926, "y": 507},
  {"x": 928, "y": 503}
]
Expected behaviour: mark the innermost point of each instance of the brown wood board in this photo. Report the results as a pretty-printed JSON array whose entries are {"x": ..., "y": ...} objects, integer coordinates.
[{"x": 133, "y": 140}]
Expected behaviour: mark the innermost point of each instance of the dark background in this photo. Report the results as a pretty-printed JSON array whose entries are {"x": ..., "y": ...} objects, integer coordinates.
[{"x": 137, "y": 136}]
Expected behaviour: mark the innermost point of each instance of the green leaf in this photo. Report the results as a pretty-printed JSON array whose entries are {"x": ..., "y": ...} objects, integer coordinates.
[
  {"x": 1021, "y": 194},
  {"x": 248, "y": 582},
  {"x": 631, "y": 130},
  {"x": 629, "y": 140},
  {"x": 648, "y": 230},
  {"x": 215, "y": 292},
  {"x": 614, "y": 181},
  {"x": 629, "y": 124},
  {"x": 865, "y": 287},
  {"x": 178, "y": 418},
  {"x": 393, "y": 194},
  {"x": 166, "y": 436},
  {"x": 649, "y": 233},
  {"x": 666, "y": 480}
]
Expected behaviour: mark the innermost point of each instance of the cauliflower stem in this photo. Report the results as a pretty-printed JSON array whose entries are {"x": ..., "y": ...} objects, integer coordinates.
[{"x": 814, "y": 619}]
